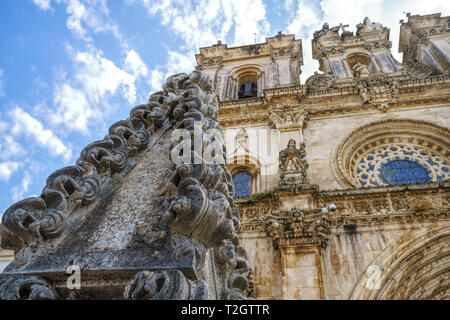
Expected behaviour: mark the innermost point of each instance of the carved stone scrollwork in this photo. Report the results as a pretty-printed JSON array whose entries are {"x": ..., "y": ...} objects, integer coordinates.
[
  {"x": 30, "y": 220},
  {"x": 319, "y": 82},
  {"x": 288, "y": 117},
  {"x": 44, "y": 217},
  {"x": 198, "y": 210},
  {"x": 165, "y": 285},
  {"x": 25, "y": 288},
  {"x": 379, "y": 91},
  {"x": 200, "y": 193}
]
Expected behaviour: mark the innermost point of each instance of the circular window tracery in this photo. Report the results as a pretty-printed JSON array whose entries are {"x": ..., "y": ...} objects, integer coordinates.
[
  {"x": 400, "y": 164},
  {"x": 420, "y": 149}
]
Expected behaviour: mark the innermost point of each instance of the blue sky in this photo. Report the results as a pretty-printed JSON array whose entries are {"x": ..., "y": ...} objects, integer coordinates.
[{"x": 71, "y": 68}]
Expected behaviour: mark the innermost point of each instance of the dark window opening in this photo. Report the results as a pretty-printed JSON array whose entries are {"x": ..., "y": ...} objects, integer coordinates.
[{"x": 248, "y": 90}]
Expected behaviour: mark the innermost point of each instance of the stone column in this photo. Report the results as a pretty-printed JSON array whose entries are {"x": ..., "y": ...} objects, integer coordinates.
[{"x": 301, "y": 271}]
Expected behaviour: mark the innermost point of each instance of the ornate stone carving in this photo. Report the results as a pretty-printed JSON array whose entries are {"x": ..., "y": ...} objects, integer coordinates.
[
  {"x": 25, "y": 288},
  {"x": 214, "y": 61},
  {"x": 165, "y": 285},
  {"x": 43, "y": 217},
  {"x": 381, "y": 91},
  {"x": 287, "y": 118},
  {"x": 201, "y": 193},
  {"x": 308, "y": 229},
  {"x": 360, "y": 70},
  {"x": 325, "y": 29},
  {"x": 293, "y": 164},
  {"x": 195, "y": 212},
  {"x": 319, "y": 82}
]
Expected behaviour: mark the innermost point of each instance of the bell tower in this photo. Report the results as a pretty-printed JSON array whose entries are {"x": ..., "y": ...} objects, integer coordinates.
[
  {"x": 424, "y": 42},
  {"x": 342, "y": 54},
  {"x": 244, "y": 72}
]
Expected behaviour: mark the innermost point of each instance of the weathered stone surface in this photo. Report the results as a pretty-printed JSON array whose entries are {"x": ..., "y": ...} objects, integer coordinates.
[
  {"x": 127, "y": 207},
  {"x": 323, "y": 240}
]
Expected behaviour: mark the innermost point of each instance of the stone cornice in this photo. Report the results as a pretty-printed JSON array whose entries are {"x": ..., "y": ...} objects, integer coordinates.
[
  {"x": 279, "y": 45},
  {"x": 343, "y": 97}
]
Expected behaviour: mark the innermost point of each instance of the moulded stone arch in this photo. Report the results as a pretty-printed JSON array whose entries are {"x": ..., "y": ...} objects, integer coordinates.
[
  {"x": 249, "y": 163},
  {"x": 239, "y": 74},
  {"x": 415, "y": 267},
  {"x": 424, "y": 136}
]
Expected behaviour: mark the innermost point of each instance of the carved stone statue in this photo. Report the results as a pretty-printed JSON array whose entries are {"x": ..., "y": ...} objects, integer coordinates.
[
  {"x": 360, "y": 70},
  {"x": 293, "y": 164}
]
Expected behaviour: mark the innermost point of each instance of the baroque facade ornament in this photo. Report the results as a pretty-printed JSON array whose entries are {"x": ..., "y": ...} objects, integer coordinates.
[
  {"x": 288, "y": 118},
  {"x": 319, "y": 82},
  {"x": 381, "y": 91},
  {"x": 293, "y": 164}
]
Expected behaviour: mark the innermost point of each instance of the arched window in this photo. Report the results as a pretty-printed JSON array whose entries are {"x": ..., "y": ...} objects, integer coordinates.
[
  {"x": 242, "y": 182},
  {"x": 403, "y": 172},
  {"x": 247, "y": 90}
]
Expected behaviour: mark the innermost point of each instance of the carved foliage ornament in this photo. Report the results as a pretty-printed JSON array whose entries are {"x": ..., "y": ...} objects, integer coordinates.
[
  {"x": 380, "y": 91},
  {"x": 288, "y": 117}
]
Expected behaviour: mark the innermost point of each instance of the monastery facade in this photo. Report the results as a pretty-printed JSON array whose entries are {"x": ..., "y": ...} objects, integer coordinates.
[{"x": 342, "y": 182}]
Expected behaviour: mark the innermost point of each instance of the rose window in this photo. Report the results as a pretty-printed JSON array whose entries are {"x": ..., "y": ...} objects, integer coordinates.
[{"x": 400, "y": 164}]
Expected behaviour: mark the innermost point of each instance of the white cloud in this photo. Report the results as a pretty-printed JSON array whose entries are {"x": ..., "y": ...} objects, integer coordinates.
[
  {"x": 42, "y": 4},
  {"x": 2, "y": 89},
  {"x": 100, "y": 76},
  {"x": 92, "y": 16},
  {"x": 9, "y": 148},
  {"x": 134, "y": 64},
  {"x": 85, "y": 97},
  {"x": 200, "y": 23},
  {"x": 19, "y": 191},
  {"x": 24, "y": 123},
  {"x": 156, "y": 79},
  {"x": 7, "y": 168},
  {"x": 73, "y": 109}
]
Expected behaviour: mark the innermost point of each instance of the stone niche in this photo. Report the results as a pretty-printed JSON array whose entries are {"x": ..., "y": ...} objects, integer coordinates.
[{"x": 128, "y": 221}]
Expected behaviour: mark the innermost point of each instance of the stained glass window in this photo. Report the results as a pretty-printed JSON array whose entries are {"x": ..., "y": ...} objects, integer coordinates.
[
  {"x": 403, "y": 171},
  {"x": 242, "y": 182}
]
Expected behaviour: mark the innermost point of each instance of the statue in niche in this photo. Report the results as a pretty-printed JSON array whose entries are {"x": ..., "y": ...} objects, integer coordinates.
[
  {"x": 360, "y": 70},
  {"x": 293, "y": 164}
]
